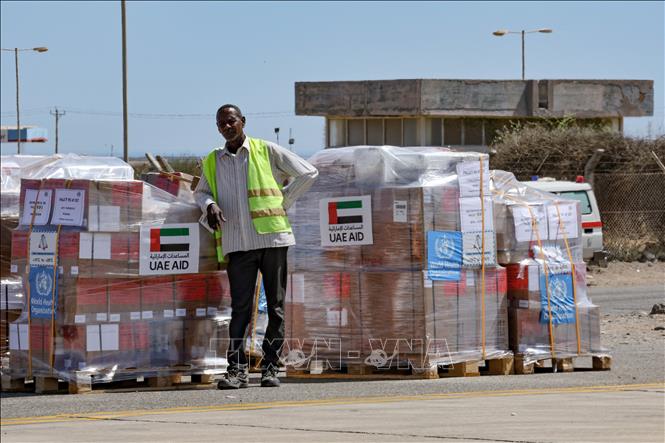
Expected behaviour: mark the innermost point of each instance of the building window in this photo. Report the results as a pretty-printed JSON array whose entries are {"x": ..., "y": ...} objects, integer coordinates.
[
  {"x": 375, "y": 132},
  {"x": 393, "y": 131},
  {"x": 356, "y": 132},
  {"x": 433, "y": 132},
  {"x": 492, "y": 129},
  {"x": 337, "y": 133},
  {"x": 473, "y": 131},
  {"x": 452, "y": 131},
  {"x": 411, "y": 135}
]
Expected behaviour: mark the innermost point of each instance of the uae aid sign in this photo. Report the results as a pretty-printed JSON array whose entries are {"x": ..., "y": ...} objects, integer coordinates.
[
  {"x": 346, "y": 221},
  {"x": 169, "y": 249}
]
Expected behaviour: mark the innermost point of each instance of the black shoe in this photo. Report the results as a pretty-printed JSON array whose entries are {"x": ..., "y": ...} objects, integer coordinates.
[
  {"x": 236, "y": 377},
  {"x": 269, "y": 377}
]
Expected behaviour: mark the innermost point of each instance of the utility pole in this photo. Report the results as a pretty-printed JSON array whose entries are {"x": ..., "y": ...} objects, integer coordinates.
[
  {"x": 291, "y": 141},
  {"x": 124, "y": 82},
  {"x": 57, "y": 116}
]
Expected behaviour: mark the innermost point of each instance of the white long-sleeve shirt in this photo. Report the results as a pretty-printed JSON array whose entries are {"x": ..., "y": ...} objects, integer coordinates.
[{"x": 238, "y": 230}]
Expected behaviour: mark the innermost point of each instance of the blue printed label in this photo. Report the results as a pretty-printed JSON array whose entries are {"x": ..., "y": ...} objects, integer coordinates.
[
  {"x": 43, "y": 291},
  {"x": 560, "y": 298},
  {"x": 444, "y": 255}
]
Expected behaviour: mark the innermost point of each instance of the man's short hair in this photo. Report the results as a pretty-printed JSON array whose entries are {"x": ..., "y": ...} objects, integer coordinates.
[{"x": 228, "y": 106}]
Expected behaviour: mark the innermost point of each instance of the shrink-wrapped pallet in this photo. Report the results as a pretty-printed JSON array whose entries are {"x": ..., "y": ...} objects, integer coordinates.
[
  {"x": 539, "y": 240},
  {"x": 120, "y": 279},
  {"x": 408, "y": 232}
]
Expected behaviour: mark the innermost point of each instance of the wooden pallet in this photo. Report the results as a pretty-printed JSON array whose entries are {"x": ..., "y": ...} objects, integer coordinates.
[
  {"x": 80, "y": 383},
  {"x": 600, "y": 362},
  {"x": 499, "y": 366}
]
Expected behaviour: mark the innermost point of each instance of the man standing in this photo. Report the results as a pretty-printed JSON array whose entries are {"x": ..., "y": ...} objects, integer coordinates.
[{"x": 241, "y": 192}]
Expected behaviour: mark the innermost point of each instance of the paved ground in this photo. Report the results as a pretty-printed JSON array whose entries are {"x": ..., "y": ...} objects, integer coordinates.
[
  {"x": 602, "y": 414},
  {"x": 626, "y": 403}
]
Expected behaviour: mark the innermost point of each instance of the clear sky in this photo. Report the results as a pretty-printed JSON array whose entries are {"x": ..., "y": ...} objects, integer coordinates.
[{"x": 186, "y": 58}]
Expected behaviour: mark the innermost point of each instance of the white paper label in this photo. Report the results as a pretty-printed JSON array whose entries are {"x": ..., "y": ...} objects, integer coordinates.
[
  {"x": 180, "y": 312},
  {"x": 110, "y": 337},
  {"x": 136, "y": 315},
  {"x": 524, "y": 304},
  {"x": 61, "y": 270},
  {"x": 114, "y": 317},
  {"x": 101, "y": 316},
  {"x": 74, "y": 270},
  {"x": 400, "y": 211},
  {"x": 346, "y": 221},
  {"x": 85, "y": 245},
  {"x": 92, "y": 342},
  {"x": 42, "y": 248},
  {"x": 471, "y": 214},
  {"x": 468, "y": 176},
  {"x": 200, "y": 312},
  {"x": 68, "y": 207},
  {"x": 525, "y": 220},
  {"x": 297, "y": 288},
  {"x": 79, "y": 319},
  {"x": 534, "y": 278},
  {"x": 168, "y": 313},
  {"x": 212, "y": 311},
  {"x": 93, "y": 218},
  {"x": 13, "y": 269},
  {"x": 43, "y": 207},
  {"x": 562, "y": 220},
  {"x": 337, "y": 317},
  {"x": 427, "y": 283},
  {"x": 19, "y": 337},
  {"x": 472, "y": 247},
  {"x": 146, "y": 315},
  {"x": 427, "y": 196},
  {"x": 169, "y": 249},
  {"x": 101, "y": 246},
  {"x": 470, "y": 279},
  {"x": 109, "y": 218}
]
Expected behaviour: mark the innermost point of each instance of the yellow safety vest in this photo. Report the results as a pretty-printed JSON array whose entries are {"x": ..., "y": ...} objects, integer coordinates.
[{"x": 263, "y": 192}]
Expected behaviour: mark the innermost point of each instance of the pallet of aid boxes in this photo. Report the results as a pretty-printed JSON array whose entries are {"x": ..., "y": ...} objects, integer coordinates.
[
  {"x": 111, "y": 312},
  {"x": 539, "y": 241},
  {"x": 397, "y": 250}
]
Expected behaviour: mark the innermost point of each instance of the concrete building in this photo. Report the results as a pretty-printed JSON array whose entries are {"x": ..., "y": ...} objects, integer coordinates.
[{"x": 464, "y": 114}]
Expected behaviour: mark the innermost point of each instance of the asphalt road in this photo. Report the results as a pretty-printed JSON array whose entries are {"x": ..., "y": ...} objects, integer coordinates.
[{"x": 640, "y": 366}]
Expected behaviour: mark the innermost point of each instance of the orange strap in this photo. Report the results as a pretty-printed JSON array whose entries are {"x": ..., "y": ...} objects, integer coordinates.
[
  {"x": 482, "y": 258},
  {"x": 32, "y": 222},
  {"x": 572, "y": 270}
]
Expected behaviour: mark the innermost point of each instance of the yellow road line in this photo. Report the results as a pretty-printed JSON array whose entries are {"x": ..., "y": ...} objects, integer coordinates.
[{"x": 109, "y": 415}]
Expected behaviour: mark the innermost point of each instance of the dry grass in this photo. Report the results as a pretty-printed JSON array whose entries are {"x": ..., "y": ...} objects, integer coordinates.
[{"x": 562, "y": 149}]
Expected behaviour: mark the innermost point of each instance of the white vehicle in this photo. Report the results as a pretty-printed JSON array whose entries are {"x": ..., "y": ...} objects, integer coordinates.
[{"x": 592, "y": 226}]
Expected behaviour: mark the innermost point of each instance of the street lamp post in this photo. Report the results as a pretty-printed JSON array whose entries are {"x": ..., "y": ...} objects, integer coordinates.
[
  {"x": 18, "y": 115},
  {"x": 502, "y": 32}
]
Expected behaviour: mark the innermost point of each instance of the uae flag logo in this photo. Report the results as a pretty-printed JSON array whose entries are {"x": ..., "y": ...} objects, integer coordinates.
[
  {"x": 169, "y": 240},
  {"x": 340, "y": 213}
]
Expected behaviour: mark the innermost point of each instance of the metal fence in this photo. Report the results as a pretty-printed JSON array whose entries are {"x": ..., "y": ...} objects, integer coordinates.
[{"x": 632, "y": 208}]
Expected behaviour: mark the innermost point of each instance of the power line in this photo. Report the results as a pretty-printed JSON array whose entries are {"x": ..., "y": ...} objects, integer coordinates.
[{"x": 266, "y": 114}]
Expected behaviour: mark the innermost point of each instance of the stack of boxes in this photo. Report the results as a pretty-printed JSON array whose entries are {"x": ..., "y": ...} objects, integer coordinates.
[
  {"x": 381, "y": 303},
  {"x": 539, "y": 242},
  {"x": 108, "y": 316}
]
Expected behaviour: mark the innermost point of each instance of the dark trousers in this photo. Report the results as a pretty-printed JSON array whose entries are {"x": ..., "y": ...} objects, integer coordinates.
[{"x": 242, "y": 271}]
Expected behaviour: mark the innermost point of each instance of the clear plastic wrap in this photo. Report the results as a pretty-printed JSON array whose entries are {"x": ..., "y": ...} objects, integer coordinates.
[
  {"x": 120, "y": 279},
  {"x": 539, "y": 240},
  {"x": 389, "y": 268}
]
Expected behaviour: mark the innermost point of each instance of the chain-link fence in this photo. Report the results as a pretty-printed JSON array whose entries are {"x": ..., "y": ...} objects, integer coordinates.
[{"x": 632, "y": 208}]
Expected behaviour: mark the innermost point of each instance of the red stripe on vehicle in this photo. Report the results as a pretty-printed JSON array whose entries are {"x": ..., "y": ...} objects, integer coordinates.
[{"x": 587, "y": 225}]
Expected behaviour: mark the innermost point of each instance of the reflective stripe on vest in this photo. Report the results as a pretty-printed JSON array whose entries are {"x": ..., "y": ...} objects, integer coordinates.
[{"x": 263, "y": 192}]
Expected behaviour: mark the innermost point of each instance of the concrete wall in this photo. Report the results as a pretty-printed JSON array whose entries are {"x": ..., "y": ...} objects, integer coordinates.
[{"x": 498, "y": 98}]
